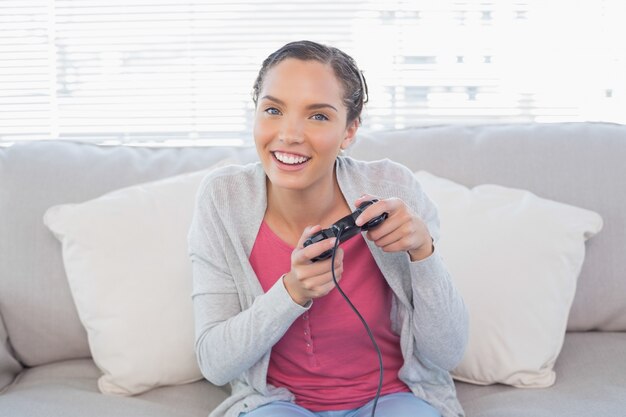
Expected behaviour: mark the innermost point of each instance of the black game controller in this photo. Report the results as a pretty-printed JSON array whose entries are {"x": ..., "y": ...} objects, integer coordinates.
[{"x": 346, "y": 227}]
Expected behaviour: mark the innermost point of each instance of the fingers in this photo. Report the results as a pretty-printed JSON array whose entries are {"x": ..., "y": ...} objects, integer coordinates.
[
  {"x": 308, "y": 280},
  {"x": 307, "y": 233},
  {"x": 401, "y": 231},
  {"x": 396, "y": 241},
  {"x": 319, "y": 278},
  {"x": 389, "y": 206},
  {"x": 364, "y": 198},
  {"x": 304, "y": 255},
  {"x": 397, "y": 220}
]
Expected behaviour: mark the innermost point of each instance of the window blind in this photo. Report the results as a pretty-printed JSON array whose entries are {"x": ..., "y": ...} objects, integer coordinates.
[{"x": 127, "y": 71}]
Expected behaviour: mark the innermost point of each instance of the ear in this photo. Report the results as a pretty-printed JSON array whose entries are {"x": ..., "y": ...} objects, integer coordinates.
[{"x": 350, "y": 134}]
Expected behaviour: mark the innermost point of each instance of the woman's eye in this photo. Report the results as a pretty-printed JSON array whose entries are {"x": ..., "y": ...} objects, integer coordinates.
[
  {"x": 273, "y": 111},
  {"x": 320, "y": 117}
]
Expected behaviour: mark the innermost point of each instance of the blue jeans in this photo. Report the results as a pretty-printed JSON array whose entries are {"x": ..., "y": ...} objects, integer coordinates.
[{"x": 402, "y": 404}]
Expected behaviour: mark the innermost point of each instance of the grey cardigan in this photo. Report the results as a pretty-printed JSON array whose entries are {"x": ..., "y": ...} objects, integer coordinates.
[{"x": 237, "y": 324}]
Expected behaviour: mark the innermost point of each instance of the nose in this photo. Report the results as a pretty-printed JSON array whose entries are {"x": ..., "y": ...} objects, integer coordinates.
[{"x": 291, "y": 130}]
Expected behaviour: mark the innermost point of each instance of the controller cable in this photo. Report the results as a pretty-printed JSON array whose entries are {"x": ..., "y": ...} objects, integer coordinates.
[{"x": 367, "y": 328}]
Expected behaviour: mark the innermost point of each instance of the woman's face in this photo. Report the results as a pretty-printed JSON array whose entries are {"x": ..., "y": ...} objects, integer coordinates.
[{"x": 300, "y": 124}]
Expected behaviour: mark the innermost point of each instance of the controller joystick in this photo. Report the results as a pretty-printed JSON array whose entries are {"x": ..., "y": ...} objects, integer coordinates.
[{"x": 345, "y": 228}]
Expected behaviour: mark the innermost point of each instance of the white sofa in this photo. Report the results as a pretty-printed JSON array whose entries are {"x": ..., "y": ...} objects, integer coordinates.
[{"x": 46, "y": 367}]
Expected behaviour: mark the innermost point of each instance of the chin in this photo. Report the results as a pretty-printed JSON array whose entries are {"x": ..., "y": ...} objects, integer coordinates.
[{"x": 278, "y": 181}]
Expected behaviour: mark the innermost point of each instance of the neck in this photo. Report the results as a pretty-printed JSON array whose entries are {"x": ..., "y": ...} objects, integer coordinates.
[{"x": 297, "y": 209}]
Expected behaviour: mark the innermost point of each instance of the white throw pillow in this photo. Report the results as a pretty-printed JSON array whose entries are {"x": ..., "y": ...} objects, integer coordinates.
[
  {"x": 515, "y": 258},
  {"x": 125, "y": 256}
]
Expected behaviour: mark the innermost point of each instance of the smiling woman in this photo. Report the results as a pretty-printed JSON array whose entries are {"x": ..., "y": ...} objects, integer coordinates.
[
  {"x": 301, "y": 116},
  {"x": 272, "y": 320}
]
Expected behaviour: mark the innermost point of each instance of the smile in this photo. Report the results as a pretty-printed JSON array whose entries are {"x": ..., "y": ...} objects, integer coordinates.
[{"x": 290, "y": 159}]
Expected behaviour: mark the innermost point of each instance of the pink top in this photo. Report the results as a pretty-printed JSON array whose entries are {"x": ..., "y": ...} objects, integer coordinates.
[{"x": 326, "y": 358}]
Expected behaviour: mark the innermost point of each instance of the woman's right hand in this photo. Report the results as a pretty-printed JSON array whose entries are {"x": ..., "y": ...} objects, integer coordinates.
[{"x": 308, "y": 280}]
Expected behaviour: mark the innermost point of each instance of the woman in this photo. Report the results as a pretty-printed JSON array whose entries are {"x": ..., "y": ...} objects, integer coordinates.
[{"x": 268, "y": 319}]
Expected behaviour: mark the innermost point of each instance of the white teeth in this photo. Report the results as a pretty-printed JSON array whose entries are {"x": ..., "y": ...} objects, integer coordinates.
[{"x": 286, "y": 158}]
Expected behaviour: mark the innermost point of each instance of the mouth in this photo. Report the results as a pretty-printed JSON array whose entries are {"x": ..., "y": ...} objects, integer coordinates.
[{"x": 290, "y": 158}]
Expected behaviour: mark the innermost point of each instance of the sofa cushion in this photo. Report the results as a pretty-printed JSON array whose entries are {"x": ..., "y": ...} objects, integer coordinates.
[
  {"x": 515, "y": 258},
  {"x": 581, "y": 164},
  {"x": 590, "y": 369},
  {"x": 591, "y": 376},
  {"x": 35, "y": 300},
  {"x": 70, "y": 389},
  {"x": 125, "y": 255}
]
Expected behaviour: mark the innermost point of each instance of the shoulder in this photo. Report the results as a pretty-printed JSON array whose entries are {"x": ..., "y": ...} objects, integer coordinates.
[
  {"x": 379, "y": 171},
  {"x": 232, "y": 179},
  {"x": 386, "y": 179}
]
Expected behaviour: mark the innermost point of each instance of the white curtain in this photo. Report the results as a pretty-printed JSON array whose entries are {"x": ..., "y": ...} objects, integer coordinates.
[{"x": 181, "y": 72}]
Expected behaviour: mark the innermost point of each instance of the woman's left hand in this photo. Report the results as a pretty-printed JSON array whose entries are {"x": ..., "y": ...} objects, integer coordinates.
[{"x": 402, "y": 231}]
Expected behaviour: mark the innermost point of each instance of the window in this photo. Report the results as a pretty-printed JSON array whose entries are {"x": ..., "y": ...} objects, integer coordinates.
[{"x": 181, "y": 71}]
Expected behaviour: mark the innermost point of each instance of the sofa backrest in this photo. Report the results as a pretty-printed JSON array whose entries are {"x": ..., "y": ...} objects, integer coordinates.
[
  {"x": 576, "y": 163},
  {"x": 35, "y": 300},
  {"x": 583, "y": 164}
]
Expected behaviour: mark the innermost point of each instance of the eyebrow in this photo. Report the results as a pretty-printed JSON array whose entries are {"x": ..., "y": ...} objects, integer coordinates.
[{"x": 314, "y": 106}]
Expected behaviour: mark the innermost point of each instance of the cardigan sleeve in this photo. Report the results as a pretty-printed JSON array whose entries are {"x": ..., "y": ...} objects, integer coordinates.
[
  {"x": 440, "y": 316},
  {"x": 229, "y": 338}
]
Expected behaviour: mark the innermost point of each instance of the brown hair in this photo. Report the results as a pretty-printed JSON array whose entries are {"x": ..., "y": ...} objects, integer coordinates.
[{"x": 345, "y": 68}]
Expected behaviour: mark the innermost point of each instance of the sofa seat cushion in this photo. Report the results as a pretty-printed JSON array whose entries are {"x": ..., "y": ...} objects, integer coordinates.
[
  {"x": 591, "y": 380},
  {"x": 70, "y": 389},
  {"x": 9, "y": 366},
  {"x": 591, "y": 376}
]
